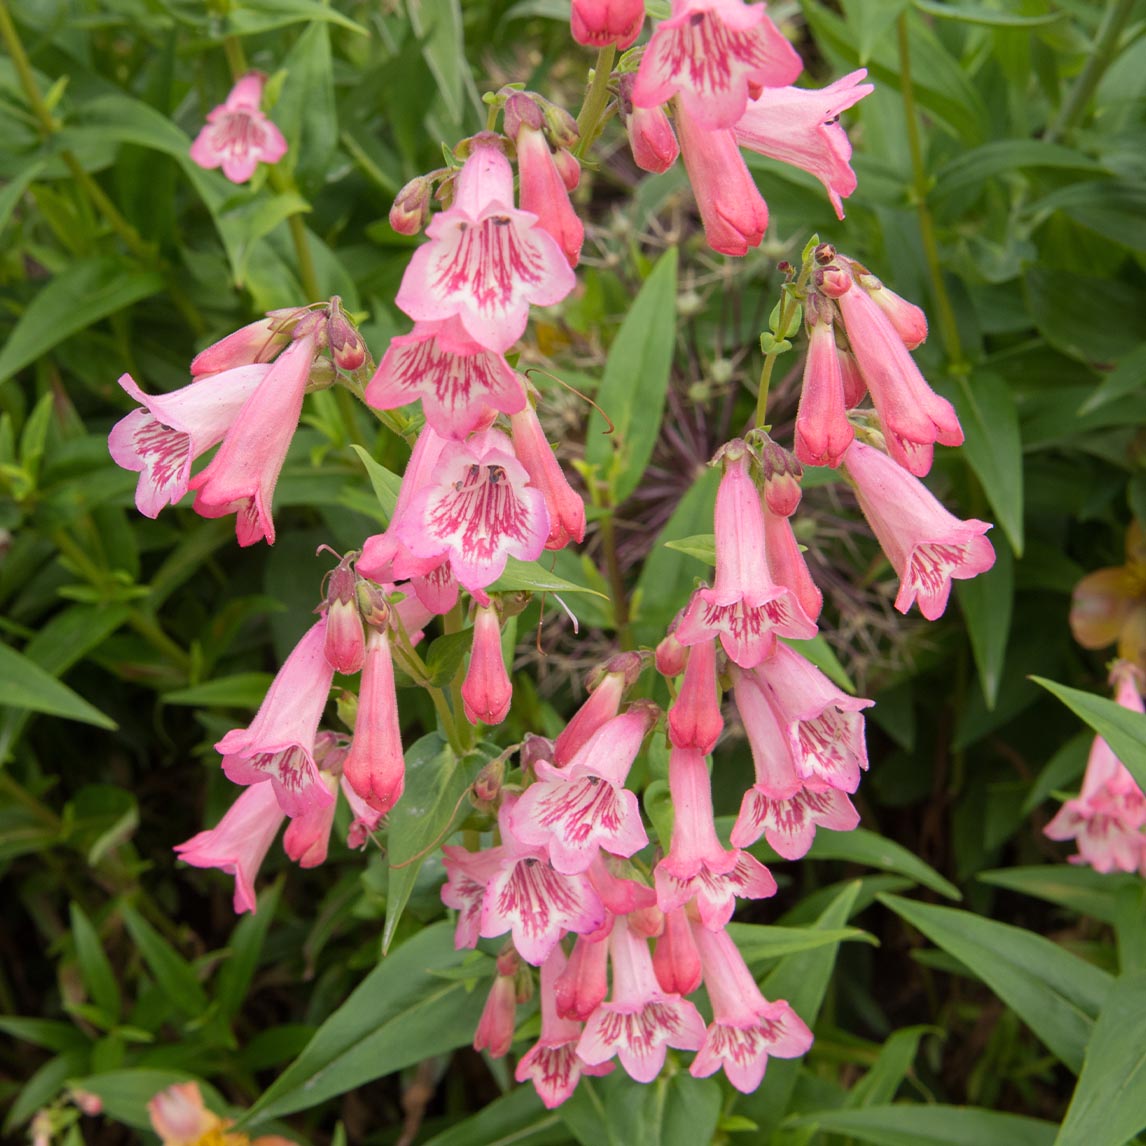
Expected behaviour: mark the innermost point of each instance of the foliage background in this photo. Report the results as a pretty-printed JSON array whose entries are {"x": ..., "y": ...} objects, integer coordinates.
[{"x": 1000, "y": 184}]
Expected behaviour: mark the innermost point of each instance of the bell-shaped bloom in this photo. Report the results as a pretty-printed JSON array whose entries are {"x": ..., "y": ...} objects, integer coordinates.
[
  {"x": 746, "y": 1029},
  {"x": 257, "y": 342},
  {"x": 241, "y": 477},
  {"x": 1107, "y": 816},
  {"x": 787, "y": 566},
  {"x": 307, "y": 837},
  {"x": 926, "y": 545},
  {"x": 823, "y": 431},
  {"x": 542, "y": 187},
  {"x": 238, "y": 136},
  {"x": 565, "y": 506},
  {"x": 780, "y": 806},
  {"x": 697, "y": 866},
  {"x": 1109, "y": 604},
  {"x": 477, "y": 509},
  {"x": 498, "y": 1018},
  {"x": 694, "y": 720},
  {"x": 676, "y": 959},
  {"x": 714, "y": 53},
  {"x": 486, "y": 261},
  {"x": 731, "y": 207},
  {"x": 375, "y": 767},
  {"x": 238, "y": 844},
  {"x": 161, "y": 440},
  {"x": 531, "y": 898},
  {"x": 278, "y": 745},
  {"x": 583, "y": 983},
  {"x": 801, "y": 127},
  {"x": 745, "y": 608},
  {"x": 468, "y": 875},
  {"x": 551, "y": 1064},
  {"x": 651, "y": 137},
  {"x": 912, "y": 415},
  {"x": 461, "y": 385},
  {"x": 599, "y": 23},
  {"x": 640, "y": 1021},
  {"x": 607, "y": 690},
  {"x": 487, "y": 689},
  {"x": 578, "y": 810}
]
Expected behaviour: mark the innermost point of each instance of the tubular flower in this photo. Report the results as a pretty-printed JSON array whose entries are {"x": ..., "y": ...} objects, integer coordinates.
[
  {"x": 714, "y": 53},
  {"x": 259, "y": 341},
  {"x": 801, "y": 127},
  {"x": 787, "y": 566},
  {"x": 242, "y": 476},
  {"x": 487, "y": 690},
  {"x": 278, "y": 744},
  {"x": 486, "y": 261},
  {"x": 651, "y": 137},
  {"x": 238, "y": 137},
  {"x": 823, "y": 431},
  {"x": 161, "y": 440},
  {"x": 599, "y": 23},
  {"x": 926, "y": 545},
  {"x": 607, "y": 688},
  {"x": 694, "y": 720},
  {"x": 565, "y": 506}
]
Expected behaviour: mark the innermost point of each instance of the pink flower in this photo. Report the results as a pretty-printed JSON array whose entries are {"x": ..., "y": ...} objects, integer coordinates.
[
  {"x": 238, "y": 844},
  {"x": 599, "y": 23},
  {"x": 179, "y": 1116},
  {"x": 241, "y": 478},
  {"x": 565, "y": 506},
  {"x": 542, "y": 186},
  {"x": 172, "y": 430},
  {"x": 787, "y": 566},
  {"x": 780, "y": 806},
  {"x": 486, "y": 261},
  {"x": 651, "y": 137},
  {"x": 578, "y": 810},
  {"x": 278, "y": 744},
  {"x": 607, "y": 686},
  {"x": 345, "y": 645},
  {"x": 714, "y": 53},
  {"x": 732, "y": 210},
  {"x": 676, "y": 960},
  {"x": 694, "y": 720},
  {"x": 745, "y": 608},
  {"x": 375, "y": 766},
  {"x": 366, "y": 819},
  {"x": 498, "y": 1018},
  {"x": 912, "y": 415},
  {"x": 411, "y": 208},
  {"x": 801, "y": 127},
  {"x": 487, "y": 690},
  {"x": 746, "y": 1029},
  {"x": 926, "y": 545},
  {"x": 552, "y": 1064},
  {"x": 462, "y": 385},
  {"x": 697, "y": 866},
  {"x": 909, "y": 321},
  {"x": 1107, "y": 816},
  {"x": 307, "y": 837},
  {"x": 528, "y": 896},
  {"x": 640, "y": 1022},
  {"x": 238, "y": 136},
  {"x": 582, "y": 985},
  {"x": 259, "y": 341},
  {"x": 823, "y": 431},
  {"x": 468, "y": 874},
  {"x": 477, "y": 509}
]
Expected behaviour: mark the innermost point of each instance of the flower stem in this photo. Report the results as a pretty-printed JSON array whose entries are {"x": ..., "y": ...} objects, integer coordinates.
[
  {"x": 621, "y": 619},
  {"x": 592, "y": 115},
  {"x": 789, "y": 301},
  {"x": 948, "y": 327}
]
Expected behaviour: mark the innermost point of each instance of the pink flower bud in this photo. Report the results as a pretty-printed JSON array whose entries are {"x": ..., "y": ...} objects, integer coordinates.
[
  {"x": 565, "y": 507},
  {"x": 345, "y": 645},
  {"x": 258, "y": 342},
  {"x": 823, "y": 431},
  {"x": 676, "y": 960},
  {"x": 346, "y": 345},
  {"x": 651, "y": 137},
  {"x": 375, "y": 767},
  {"x": 495, "y": 1027},
  {"x": 694, "y": 720},
  {"x": 568, "y": 168},
  {"x": 543, "y": 191},
  {"x": 581, "y": 988},
  {"x": 599, "y": 23},
  {"x": 411, "y": 210},
  {"x": 487, "y": 689},
  {"x": 671, "y": 655},
  {"x": 781, "y": 473},
  {"x": 909, "y": 320},
  {"x": 786, "y": 563}
]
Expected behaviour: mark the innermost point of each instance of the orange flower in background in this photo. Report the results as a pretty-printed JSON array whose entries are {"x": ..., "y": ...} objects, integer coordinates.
[
  {"x": 1109, "y": 605},
  {"x": 180, "y": 1118}
]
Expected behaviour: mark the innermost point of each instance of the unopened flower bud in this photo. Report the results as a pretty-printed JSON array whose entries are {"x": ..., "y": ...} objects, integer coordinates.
[
  {"x": 372, "y": 604},
  {"x": 781, "y": 472},
  {"x": 487, "y": 787},
  {"x": 672, "y": 656},
  {"x": 346, "y": 345},
  {"x": 560, "y": 127},
  {"x": 568, "y": 168},
  {"x": 345, "y": 644},
  {"x": 651, "y": 137},
  {"x": 411, "y": 210},
  {"x": 629, "y": 665},
  {"x": 522, "y": 111},
  {"x": 533, "y": 749},
  {"x": 833, "y": 281}
]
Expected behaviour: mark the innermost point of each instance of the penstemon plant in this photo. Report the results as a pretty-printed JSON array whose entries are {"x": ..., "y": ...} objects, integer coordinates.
[{"x": 586, "y": 888}]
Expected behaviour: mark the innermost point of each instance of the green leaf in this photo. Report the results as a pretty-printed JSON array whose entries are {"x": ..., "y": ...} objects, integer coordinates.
[
  {"x": 1115, "y": 208},
  {"x": 174, "y": 975},
  {"x": 44, "y": 1085},
  {"x": 445, "y": 655},
  {"x": 702, "y": 546},
  {"x": 977, "y": 167},
  {"x": 633, "y": 387},
  {"x": 242, "y": 690},
  {"x": 76, "y": 298},
  {"x": 990, "y": 421},
  {"x": 1091, "y": 318},
  {"x": 1128, "y": 377},
  {"x": 433, "y": 799},
  {"x": 95, "y": 967},
  {"x": 126, "y": 1093},
  {"x": 305, "y": 111},
  {"x": 1080, "y": 889},
  {"x": 400, "y": 1014},
  {"x": 986, "y": 601},
  {"x": 1123, "y": 730},
  {"x": 100, "y": 818},
  {"x": 532, "y": 577},
  {"x": 871, "y": 21},
  {"x": 14, "y": 190},
  {"x": 616, "y": 1111},
  {"x": 932, "y": 1125},
  {"x": 890, "y": 1069},
  {"x": 253, "y": 220},
  {"x": 978, "y": 14},
  {"x": 759, "y": 943},
  {"x": 438, "y": 24},
  {"x": 514, "y": 1119},
  {"x": 1060, "y": 771},
  {"x": 1109, "y": 1103},
  {"x": 1057, "y": 994},
  {"x": 246, "y": 945},
  {"x": 386, "y": 484},
  {"x": 49, "y": 1033},
  {"x": 253, "y": 17}
]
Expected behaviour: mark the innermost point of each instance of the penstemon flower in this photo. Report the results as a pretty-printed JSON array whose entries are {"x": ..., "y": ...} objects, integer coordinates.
[
  {"x": 598, "y": 23},
  {"x": 238, "y": 136}
]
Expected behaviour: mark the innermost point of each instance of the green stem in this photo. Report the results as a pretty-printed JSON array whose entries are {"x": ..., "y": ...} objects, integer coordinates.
[
  {"x": 592, "y": 116},
  {"x": 1100, "y": 58},
  {"x": 948, "y": 327},
  {"x": 16, "y": 792},
  {"x": 152, "y": 632},
  {"x": 789, "y": 300},
  {"x": 617, "y": 591}
]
